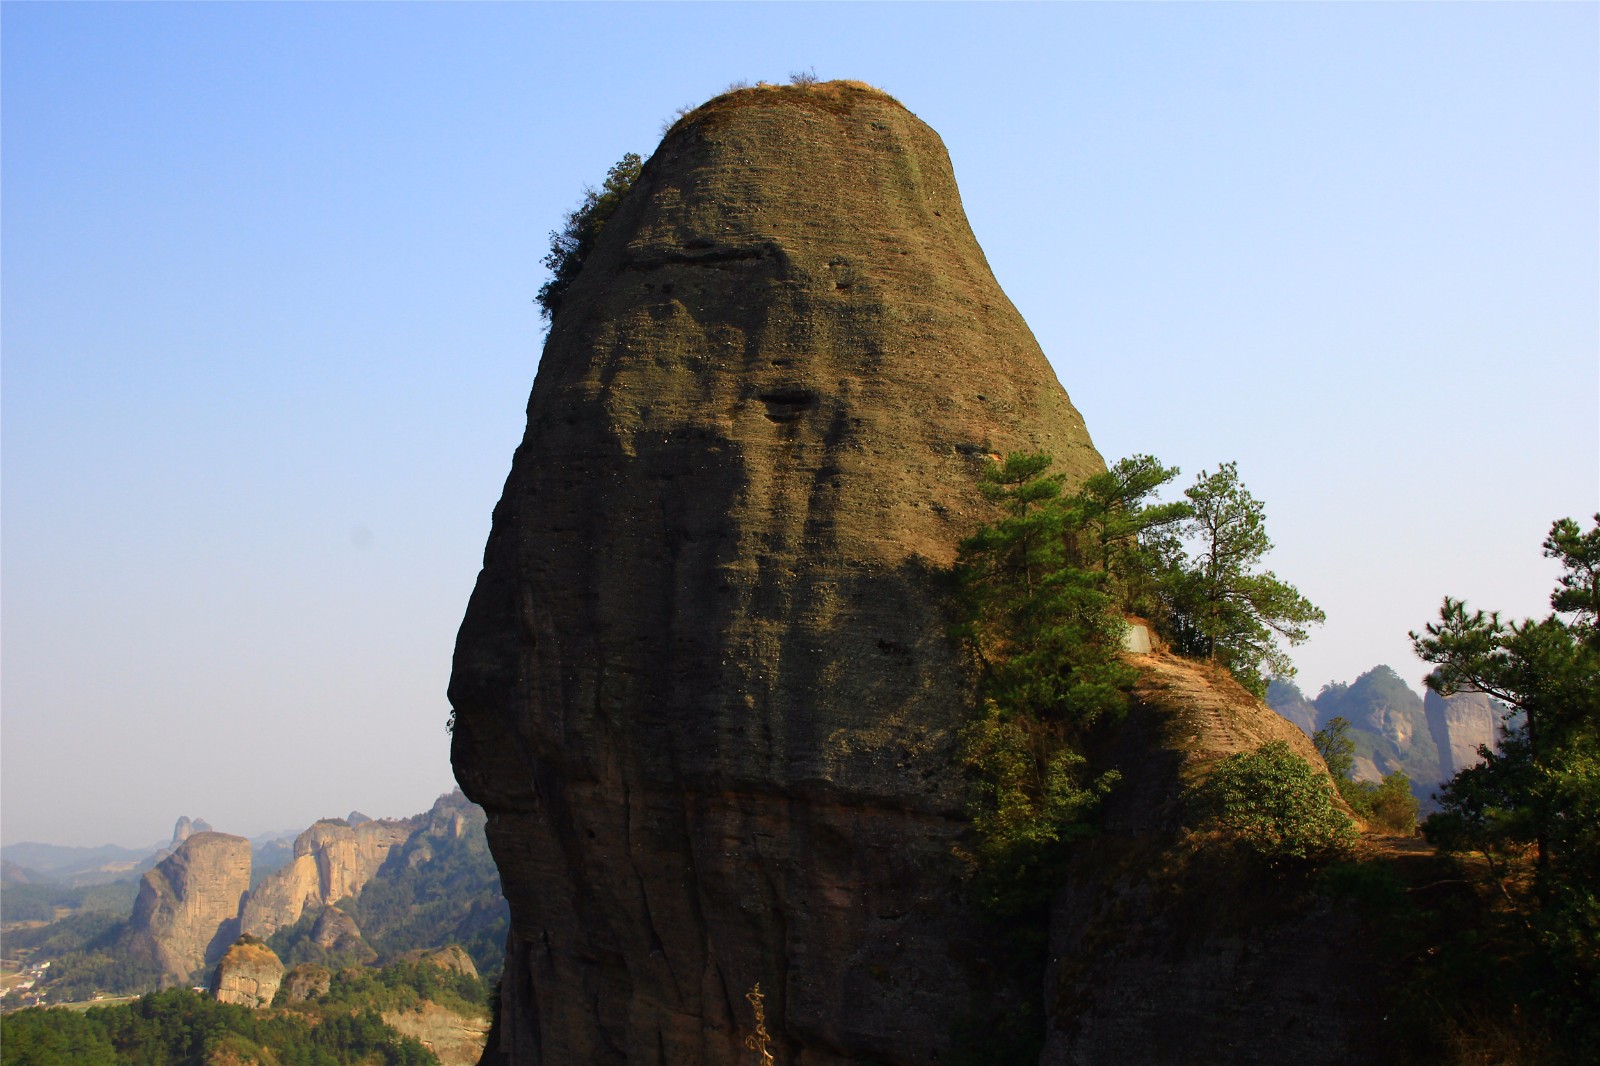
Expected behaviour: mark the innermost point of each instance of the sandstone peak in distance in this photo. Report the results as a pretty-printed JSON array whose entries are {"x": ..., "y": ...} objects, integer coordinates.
[{"x": 704, "y": 686}]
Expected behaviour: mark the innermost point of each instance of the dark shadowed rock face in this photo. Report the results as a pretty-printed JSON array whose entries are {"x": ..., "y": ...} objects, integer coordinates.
[
  {"x": 1159, "y": 953},
  {"x": 703, "y": 687}
]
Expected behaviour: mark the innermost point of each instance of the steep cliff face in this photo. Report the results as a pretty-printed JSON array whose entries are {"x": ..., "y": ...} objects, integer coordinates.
[
  {"x": 248, "y": 974},
  {"x": 332, "y": 861},
  {"x": 703, "y": 686},
  {"x": 1387, "y": 724},
  {"x": 187, "y": 911},
  {"x": 1460, "y": 724}
]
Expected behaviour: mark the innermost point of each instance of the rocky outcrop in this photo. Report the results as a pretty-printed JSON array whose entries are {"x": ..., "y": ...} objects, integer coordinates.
[
  {"x": 451, "y": 958},
  {"x": 703, "y": 686},
  {"x": 248, "y": 974},
  {"x": 457, "y": 1039},
  {"x": 1160, "y": 954},
  {"x": 187, "y": 910},
  {"x": 307, "y": 981},
  {"x": 336, "y": 932},
  {"x": 332, "y": 861},
  {"x": 1461, "y": 724},
  {"x": 1429, "y": 737}
]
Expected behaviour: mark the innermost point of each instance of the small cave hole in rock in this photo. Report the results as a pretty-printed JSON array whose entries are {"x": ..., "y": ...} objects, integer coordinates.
[{"x": 786, "y": 405}]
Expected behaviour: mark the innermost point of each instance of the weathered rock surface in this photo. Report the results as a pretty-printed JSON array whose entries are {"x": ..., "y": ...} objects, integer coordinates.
[
  {"x": 337, "y": 932},
  {"x": 451, "y": 957},
  {"x": 703, "y": 687},
  {"x": 1460, "y": 724},
  {"x": 307, "y": 981},
  {"x": 248, "y": 974},
  {"x": 332, "y": 861},
  {"x": 1159, "y": 955},
  {"x": 187, "y": 910},
  {"x": 457, "y": 1039}
]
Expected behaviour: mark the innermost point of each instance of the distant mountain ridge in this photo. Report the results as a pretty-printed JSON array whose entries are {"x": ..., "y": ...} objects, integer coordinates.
[
  {"x": 74, "y": 865},
  {"x": 1428, "y": 737},
  {"x": 34, "y": 863},
  {"x": 430, "y": 876}
]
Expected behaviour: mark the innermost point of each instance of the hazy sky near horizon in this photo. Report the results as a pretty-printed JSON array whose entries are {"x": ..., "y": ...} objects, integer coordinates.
[{"x": 268, "y": 328}]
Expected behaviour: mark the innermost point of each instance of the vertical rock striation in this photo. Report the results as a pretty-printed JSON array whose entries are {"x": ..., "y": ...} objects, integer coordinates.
[
  {"x": 703, "y": 686},
  {"x": 332, "y": 861},
  {"x": 187, "y": 910},
  {"x": 1460, "y": 725}
]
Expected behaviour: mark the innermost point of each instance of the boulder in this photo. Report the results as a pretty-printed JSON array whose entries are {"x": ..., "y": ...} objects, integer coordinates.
[
  {"x": 452, "y": 957},
  {"x": 248, "y": 974},
  {"x": 455, "y": 1039},
  {"x": 335, "y": 931}
]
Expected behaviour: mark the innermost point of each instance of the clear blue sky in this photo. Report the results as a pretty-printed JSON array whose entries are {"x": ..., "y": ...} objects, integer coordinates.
[{"x": 268, "y": 326}]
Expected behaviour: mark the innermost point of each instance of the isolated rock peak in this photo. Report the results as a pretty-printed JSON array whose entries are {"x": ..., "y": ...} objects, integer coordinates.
[
  {"x": 187, "y": 910},
  {"x": 704, "y": 686}
]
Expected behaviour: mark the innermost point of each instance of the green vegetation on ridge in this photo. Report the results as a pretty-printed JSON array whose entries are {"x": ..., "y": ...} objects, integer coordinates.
[
  {"x": 1041, "y": 599},
  {"x": 1389, "y": 804},
  {"x": 1042, "y": 594},
  {"x": 572, "y": 243},
  {"x": 180, "y": 1027}
]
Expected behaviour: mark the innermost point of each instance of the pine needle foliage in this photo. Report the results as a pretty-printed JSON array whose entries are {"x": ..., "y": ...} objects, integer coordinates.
[
  {"x": 1047, "y": 634},
  {"x": 1538, "y": 797},
  {"x": 1219, "y": 604}
]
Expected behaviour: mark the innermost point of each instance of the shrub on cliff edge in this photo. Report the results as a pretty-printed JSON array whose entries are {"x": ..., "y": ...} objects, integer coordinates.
[
  {"x": 1276, "y": 806},
  {"x": 571, "y": 244}
]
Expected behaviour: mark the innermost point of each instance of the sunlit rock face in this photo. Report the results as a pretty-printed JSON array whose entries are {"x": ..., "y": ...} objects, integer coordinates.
[
  {"x": 704, "y": 687},
  {"x": 1460, "y": 725},
  {"x": 248, "y": 975},
  {"x": 332, "y": 861},
  {"x": 187, "y": 910}
]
